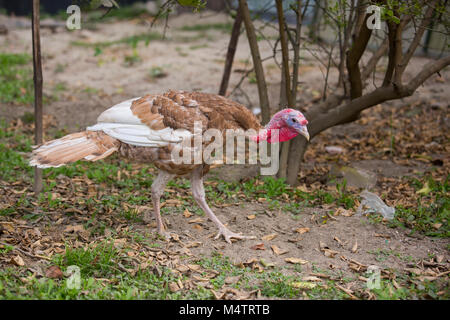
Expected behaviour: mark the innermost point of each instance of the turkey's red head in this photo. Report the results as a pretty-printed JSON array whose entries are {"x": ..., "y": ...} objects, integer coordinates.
[{"x": 289, "y": 122}]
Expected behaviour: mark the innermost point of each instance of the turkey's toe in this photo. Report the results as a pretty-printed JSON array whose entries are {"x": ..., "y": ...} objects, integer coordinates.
[{"x": 228, "y": 235}]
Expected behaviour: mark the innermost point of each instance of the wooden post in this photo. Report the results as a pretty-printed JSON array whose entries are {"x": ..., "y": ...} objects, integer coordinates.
[
  {"x": 230, "y": 53},
  {"x": 37, "y": 68}
]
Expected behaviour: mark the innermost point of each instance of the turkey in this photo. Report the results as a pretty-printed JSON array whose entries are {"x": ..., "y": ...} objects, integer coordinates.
[{"x": 147, "y": 129}]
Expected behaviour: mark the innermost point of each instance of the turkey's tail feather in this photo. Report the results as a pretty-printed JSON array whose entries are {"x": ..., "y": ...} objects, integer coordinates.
[{"x": 88, "y": 145}]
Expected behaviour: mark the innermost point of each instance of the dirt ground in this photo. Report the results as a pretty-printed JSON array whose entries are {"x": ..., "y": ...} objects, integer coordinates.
[
  {"x": 193, "y": 60},
  {"x": 339, "y": 235}
]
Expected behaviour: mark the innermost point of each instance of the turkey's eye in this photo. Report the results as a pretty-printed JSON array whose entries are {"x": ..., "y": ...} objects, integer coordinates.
[{"x": 294, "y": 120}]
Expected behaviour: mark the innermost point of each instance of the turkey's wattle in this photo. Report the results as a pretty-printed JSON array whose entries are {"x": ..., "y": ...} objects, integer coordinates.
[{"x": 149, "y": 128}]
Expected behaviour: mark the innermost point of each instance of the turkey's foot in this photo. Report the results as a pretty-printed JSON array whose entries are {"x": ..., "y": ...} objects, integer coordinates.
[{"x": 228, "y": 235}]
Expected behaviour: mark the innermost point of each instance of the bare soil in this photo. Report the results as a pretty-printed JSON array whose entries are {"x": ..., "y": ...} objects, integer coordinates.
[{"x": 339, "y": 234}]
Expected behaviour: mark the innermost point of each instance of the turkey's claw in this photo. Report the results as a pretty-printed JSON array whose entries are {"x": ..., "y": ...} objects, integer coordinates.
[{"x": 228, "y": 235}]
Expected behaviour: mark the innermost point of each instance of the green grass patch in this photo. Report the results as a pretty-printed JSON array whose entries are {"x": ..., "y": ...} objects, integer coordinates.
[
  {"x": 431, "y": 213},
  {"x": 99, "y": 260},
  {"x": 122, "y": 13},
  {"x": 272, "y": 283},
  {"x": 224, "y": 27},
  {"x": 16, "y": 79},
  {"x": 103, "y": 275},
  {"x": 133, "y": 41}
]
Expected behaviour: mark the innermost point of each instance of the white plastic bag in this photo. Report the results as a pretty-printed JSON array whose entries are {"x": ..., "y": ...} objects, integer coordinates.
[{"x": 374, "y": 204}]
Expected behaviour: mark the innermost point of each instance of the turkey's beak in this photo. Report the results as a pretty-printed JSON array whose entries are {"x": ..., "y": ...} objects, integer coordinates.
[{"x": 304, "y": 132}]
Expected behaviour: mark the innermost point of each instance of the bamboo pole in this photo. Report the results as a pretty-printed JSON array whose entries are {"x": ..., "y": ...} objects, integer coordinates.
[{"x": 37, "y": 68}]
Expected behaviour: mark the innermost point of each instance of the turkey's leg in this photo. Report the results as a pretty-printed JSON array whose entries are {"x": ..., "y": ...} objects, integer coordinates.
[
  {"x": 199, "y": 195},
  {"x": 158, "y": 186}
]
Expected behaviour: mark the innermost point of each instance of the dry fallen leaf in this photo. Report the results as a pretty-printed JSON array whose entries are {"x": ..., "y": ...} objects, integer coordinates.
[
  {"x": 302, "y": 188},
  {"x": 355, "y": 247},
  {"x": 18, "y": 261},
  {"x": 173, "y": 287},
  {"x": 386, "y": 236},
  {"x": 437, "y": 225},
  {"x": 195, "y": 220},
  {"x": 173, "y": 202},
  {"x": 193, "y": 244},
  {"x": 278, "y": 251},
  {"x": 186, "y": 213},
  {"x": 251, "y": 217},
  {"x": 266, "y": 263},
  {"x": 198, "y": 278},
  {"x": 303, "y": 285},
  {"x": 329, "y": 253},
  {"x": 230, "y": 280},
  {"x": 120, "y": 242},
  {"x": 8, "y": 226},
  {"x": 270, "y": 237},
  {"x": 343, "y": 212},
  {"x": 296, "y": 260},
  {"x": 144, "y": 265},
  {"x": 194, "y": 267},
  {"x": 259, "y": 246},
  {"x": 326, "y": 250},
  {"x": 54, "y": 272},
  {"x": 230, "y": 294},
  {"x": 311, "y": 278},
  {"x": 302, "y": 230},
  {"x": 182, "y": 268},
  {"x": 74, "y": 228}
]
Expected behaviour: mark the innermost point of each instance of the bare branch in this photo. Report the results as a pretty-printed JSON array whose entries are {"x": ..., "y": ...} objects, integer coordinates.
[
  {"x": 392, "y": 29},
  {"x": 376, "y": 56},
  {"x": 418, "y": 37},
  {"x": 296, "y": 63},
  {"x": 284, "y": 50},
  {"x": 322, "y": 121},
  {"x": 353, "y": 57}
]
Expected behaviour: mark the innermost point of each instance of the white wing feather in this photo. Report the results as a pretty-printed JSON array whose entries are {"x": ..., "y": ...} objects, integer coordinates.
[{"x": 120, "y": 123}]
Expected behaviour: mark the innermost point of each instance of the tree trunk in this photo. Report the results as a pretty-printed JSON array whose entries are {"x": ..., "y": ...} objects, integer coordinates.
[
  {"x": 284, "y": 154},
  {"x": 37, "y": 67},
  {"x": 284, "y": 150},
  {"x": 230, "y": 53},
  {"x": 315, "y": 23},
  {"x": 338, "y": 111},
  {"x": 257, "y": 63},
  {"x": 297, "y": 149}
]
